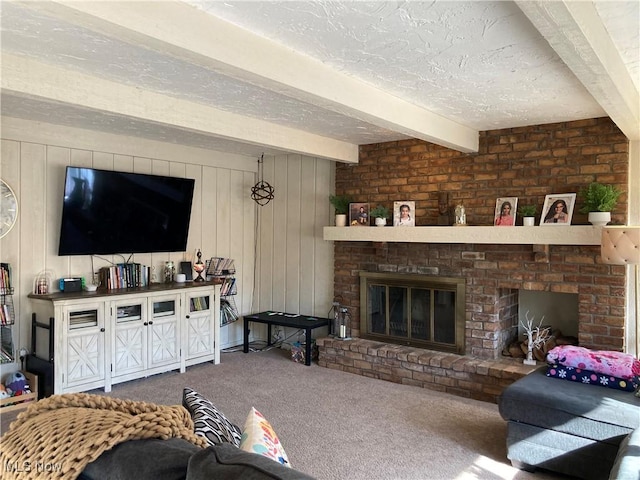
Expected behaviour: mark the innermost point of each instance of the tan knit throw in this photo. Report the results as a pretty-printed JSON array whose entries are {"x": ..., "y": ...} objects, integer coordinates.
[{"x": 58, "y": 436}]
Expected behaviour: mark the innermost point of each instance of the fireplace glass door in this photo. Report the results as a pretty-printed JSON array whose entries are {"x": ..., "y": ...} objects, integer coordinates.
[{"x": 413, "y": 312}]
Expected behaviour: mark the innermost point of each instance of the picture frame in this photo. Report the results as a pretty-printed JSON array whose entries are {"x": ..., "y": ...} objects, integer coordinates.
[
  {"x": 558, "y": 209},
  {"x": 505, "y": 212},
  {"x": 359, "y": 215},
  {"x": 404, "y": 213}
]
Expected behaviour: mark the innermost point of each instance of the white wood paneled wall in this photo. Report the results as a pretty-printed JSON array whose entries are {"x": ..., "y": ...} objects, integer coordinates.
[{"x": 294, "y": 266}]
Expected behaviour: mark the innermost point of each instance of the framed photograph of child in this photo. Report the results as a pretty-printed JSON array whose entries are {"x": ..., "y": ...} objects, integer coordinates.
[
  {"x": 359, "y": 214},
  {"x": 505, "y": 212},
  {"x": 404, "y": 214},
  {"x": 558, "y": 209}
]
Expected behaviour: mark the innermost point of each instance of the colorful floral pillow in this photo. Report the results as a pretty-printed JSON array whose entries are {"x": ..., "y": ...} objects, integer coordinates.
[
  {"x": 259, "y": 437},
  {"x": 209, "y": 422}
]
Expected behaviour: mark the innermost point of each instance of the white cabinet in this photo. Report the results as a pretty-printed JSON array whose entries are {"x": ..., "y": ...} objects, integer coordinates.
[
  {"x": 83, "y": 352},
  {"x": 164, "y": 333},
  {"x": 201, "y": 328},
  {"x": 116, "y": 336}
]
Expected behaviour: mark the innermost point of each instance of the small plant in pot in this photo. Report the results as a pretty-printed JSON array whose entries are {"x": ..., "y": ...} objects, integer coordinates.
[
  {"x": 599, "y": 200},
  {"x": 380, "y": 213},
  {"x": 528, "y": 214},
  {"x": 341, "y": 205}
]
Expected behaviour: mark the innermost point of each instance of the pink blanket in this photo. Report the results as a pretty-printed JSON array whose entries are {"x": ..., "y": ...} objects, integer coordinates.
[{"x": 617, "y": 364}]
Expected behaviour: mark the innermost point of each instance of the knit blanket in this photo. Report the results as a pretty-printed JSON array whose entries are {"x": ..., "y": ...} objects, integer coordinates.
[{"x": 58, "y": 436}]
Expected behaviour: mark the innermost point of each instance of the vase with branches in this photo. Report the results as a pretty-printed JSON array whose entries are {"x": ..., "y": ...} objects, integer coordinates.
[{"x": 537, "y": 336}]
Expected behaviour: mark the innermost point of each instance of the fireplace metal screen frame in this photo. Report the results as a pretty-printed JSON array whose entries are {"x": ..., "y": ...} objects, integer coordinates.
[{"x": 412, "y": 281}]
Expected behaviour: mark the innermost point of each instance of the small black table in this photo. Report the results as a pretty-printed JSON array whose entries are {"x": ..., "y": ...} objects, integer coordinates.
[{"x": 282, "y": 319}]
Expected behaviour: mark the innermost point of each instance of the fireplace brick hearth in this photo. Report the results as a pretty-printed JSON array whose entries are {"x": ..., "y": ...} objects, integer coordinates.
[{"x": 526, "y": 162}]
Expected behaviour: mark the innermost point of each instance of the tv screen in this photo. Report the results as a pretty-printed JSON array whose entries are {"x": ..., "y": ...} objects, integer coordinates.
[{"x": 106, "y": 212}]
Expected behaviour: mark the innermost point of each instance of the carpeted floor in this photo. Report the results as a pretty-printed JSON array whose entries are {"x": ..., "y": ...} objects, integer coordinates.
[{"x": 336, "y": 425}]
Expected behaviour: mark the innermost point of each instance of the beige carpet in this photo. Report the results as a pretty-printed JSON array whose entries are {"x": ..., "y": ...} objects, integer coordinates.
[{"x": 336, "y": 425}]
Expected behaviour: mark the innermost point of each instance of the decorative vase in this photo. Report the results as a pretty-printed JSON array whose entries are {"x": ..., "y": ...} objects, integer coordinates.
[
  {"x": 341, "y": 220},
  {"x": 381, "y": 221},
  {"x": 599, "y": 218},
  {"x": 528, "y": 221}
]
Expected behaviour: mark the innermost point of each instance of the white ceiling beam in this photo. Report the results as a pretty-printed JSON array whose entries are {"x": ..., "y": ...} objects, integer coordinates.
[
  {"x": 184, "y": 32},
  {"x": 577, "y": 34},
  {"x": 24, "y": 76}
]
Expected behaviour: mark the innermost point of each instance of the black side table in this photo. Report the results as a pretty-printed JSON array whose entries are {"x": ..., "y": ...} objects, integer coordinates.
[{"x": 293, "y": 320}]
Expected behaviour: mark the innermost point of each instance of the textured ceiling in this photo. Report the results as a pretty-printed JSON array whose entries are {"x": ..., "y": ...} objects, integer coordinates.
[{"x": 449, "y": 68}]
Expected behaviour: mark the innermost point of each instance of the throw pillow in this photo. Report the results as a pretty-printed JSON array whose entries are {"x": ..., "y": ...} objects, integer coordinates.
[
  {"x": 259, "y": 437},
  {"x": 209, "y": 422}
]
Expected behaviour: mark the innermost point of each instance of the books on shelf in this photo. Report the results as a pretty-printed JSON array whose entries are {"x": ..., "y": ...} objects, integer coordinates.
[
  {"x": 199, "y": 304},
  {"x": 218, "y": 266},
  {"x": 5, "y": 279},
  {"x": 124, "y": 275},
  {"x": 228, "y": 311},
  {"x": 6, "y": 314},
  {"x": 228, "y": 287}
]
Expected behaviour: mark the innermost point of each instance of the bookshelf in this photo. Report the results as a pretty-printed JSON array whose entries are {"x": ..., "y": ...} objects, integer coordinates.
[
  {"x": 7, "y": 315},
  {"x": 222, "y": 270}
]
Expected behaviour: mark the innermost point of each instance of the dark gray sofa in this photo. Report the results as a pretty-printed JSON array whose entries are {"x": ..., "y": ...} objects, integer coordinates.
[
  {"x": 571, "y": 428},
  {"x": 177, "y": 459}
]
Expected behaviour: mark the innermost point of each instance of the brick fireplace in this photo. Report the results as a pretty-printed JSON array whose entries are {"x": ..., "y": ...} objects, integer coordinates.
[{"x": 526, "y": 162}]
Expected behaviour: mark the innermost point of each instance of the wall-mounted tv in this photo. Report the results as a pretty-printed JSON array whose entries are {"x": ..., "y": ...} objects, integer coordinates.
[{"x": 107, "y": 212}]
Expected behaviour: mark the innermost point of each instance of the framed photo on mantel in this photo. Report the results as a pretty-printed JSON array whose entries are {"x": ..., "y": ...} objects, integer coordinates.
[
  {"x": 505, "y": 213},
  {"x": 558, "y": 209},
  {"x": 403, "y": 214},
  {"x": 359, "y": 214}
]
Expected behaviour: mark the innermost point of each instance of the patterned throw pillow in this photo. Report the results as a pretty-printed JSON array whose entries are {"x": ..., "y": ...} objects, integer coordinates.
[
  {"x": 259, "y": 437},
  {"x": 208, "y": 421}
]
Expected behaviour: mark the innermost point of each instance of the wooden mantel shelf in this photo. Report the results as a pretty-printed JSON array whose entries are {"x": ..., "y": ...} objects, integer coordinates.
[{"x": 537, "y": 235}]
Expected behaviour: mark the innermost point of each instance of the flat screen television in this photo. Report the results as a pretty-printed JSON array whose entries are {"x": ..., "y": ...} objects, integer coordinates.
[{"x": 107, "y": 212}]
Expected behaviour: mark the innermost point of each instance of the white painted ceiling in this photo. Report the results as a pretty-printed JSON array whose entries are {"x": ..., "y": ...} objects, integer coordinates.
[{"x": 319, "y": 77}]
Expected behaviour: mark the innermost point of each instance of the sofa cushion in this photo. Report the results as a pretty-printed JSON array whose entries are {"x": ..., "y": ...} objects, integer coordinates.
[
  {"x": 627, "y": 464},
  {"x": 227, "y": 462},
  {"x": 209, "y": 422},
  {"x": 259, "y": 437},
  {"x": 140, "y": 459},
  {"x": 584, "y": 410}
]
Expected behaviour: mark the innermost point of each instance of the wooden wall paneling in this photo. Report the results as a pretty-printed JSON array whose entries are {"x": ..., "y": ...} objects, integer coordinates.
[
  {"x": 10, "y": 244},
  {"x": 278, "y": 224},
  {"x": 33, "y": 218},
  {"x": 79, "y": 265},
  {"x": 194, "y": 240},
  {"x": 58, "y": 159},
  {"x": 237, "y": 237},
  {"x": 323, "y": 261},
  {"x": 293, "y": 227},
  {"x": 248, "y": 255},
  {"x": 226, "y": 214},
  {"x": 263, "y": 284},
  {"x": 209, "y": 216},
  {"x": 226, "y": 223},
  {"x": 307, "y": 261}
]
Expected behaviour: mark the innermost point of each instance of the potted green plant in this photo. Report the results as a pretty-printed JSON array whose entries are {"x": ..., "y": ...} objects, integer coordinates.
[
  {"x": 528, "y": 213},
  {"x": 380, "y": 213},
  {"x": 341, "y": 205},
  {"x": 599, "y": 200}
]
